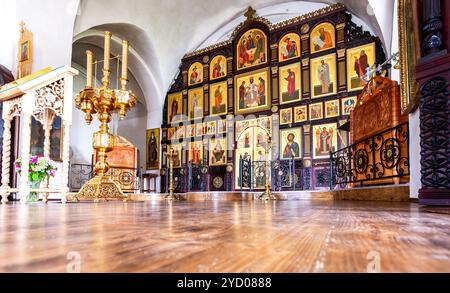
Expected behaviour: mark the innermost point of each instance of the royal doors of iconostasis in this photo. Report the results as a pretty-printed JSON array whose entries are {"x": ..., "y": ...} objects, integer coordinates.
[{"x": 253, "y": 149}]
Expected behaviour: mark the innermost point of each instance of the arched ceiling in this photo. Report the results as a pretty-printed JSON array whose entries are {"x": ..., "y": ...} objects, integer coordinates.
[{"x": 161, "y": 32}]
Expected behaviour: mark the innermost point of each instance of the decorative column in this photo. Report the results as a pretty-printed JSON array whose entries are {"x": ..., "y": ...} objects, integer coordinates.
[
  {"x": 341, "y": 71},
  {"x": 49, "y": 116},
  {"x": 432, "y": 26},
  {"x": 24, "y": 189},
  {"x": 305, "y": 78},
  {"x": 6, "y": 159},
  {"x": 433, "y": 75},
  {"x": 65, "y": 164},
  {"x": 48, "y": 125}
]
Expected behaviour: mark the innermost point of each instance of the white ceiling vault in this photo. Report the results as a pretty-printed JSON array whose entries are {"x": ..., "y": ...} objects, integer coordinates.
[{"x": 161, "y": 32}]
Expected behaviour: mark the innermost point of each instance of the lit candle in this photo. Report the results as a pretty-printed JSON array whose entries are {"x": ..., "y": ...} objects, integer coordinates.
[
  {"x": 107, "y": 50},
  {"x": 124, "y": 60},
  {"x": 89, "y": 68}
]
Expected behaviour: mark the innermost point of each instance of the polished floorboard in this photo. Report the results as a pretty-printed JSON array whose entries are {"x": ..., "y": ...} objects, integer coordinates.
[{"x": 224, "y": 236}]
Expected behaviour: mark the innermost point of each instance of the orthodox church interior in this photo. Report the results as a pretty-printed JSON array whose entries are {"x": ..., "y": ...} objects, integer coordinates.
[{"x": 195, "y": 136}]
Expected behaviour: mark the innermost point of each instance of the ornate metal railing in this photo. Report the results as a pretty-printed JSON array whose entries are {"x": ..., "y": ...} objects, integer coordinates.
[
  {"x": 197, "y": 177},
  {"x": 127, "y": 178},
  {"x": 285, "y": 175},
  {"x": 379, "y": 159}
]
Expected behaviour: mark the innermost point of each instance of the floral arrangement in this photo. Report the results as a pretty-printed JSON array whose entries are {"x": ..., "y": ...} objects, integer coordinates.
[{"x": 39, "y": 168}]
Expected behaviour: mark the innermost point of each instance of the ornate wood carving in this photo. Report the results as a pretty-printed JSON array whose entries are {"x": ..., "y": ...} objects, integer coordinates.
[
  {"x": 432, "y": 26},
  {"x": 49, "y": 97},
  {"x": 377, "y": 109},
  {"x": 354, "y": 32},
  {"x": 435, "y": 134}
]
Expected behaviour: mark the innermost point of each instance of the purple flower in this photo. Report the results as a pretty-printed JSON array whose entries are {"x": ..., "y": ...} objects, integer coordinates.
[
  {"x": 34, "y": 160},
  {"x": 51, "y": 173}
]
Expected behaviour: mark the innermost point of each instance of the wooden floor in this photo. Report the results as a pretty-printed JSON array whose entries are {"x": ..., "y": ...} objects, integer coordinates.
[{"x": 215, "y": 236}]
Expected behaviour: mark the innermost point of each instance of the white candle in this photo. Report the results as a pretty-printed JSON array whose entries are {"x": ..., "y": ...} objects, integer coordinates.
[
  {"x": 89, "y": 68},
  {"x": 124, "y": 59},
  {"x": 107, "y": 50}
]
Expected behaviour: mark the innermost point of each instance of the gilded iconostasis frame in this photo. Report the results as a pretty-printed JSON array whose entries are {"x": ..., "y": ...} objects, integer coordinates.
[{"x": 301, "y": 75}]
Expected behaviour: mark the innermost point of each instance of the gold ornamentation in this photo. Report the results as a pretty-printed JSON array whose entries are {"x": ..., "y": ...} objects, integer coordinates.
[
  {"x": 171, "y": 196},
  {"x": 341, "y": 53},
  {"x": 304, "y": 29},
  {"x": 100, "y": 188},
  {"x": 289, "y": 22},
  {"x": 217, "y": 182},
  {"x": 267, "y": 194},
  {"x": 104, "y": 101},
  {"x": 250, "y": 14},
  {"x": 409, "y": 88}
]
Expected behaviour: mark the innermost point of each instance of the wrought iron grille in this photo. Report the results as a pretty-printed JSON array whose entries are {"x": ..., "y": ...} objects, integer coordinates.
[
  {"x": 78, "y": 175},
  {"x": 127, "y": 178},
  {"x": 197, "y": 177},
  {"x": 382, "y": 156},
  {"x": 285, "y": 175}
]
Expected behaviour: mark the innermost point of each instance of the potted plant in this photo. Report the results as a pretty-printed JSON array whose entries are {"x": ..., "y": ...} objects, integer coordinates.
[{"x": 40, "y": 168}]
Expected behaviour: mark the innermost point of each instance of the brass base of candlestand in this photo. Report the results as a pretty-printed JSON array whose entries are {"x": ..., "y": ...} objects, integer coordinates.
[
  {"x": 267, "y": 195},
  {"x": 100, "y": 188},
  {"x": 171, "y": 196}
]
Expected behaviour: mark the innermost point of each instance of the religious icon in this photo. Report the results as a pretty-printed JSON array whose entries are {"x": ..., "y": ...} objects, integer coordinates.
[
  {"x": 25, "y": 51},
  {"x": 316, "y": 111},
  {"x": 222, "y": 126},
  {"x": 322, "y": 37},
  {"x": 323, "y": 76},
  {"x": 199, "y": 129},
  {"x": 195, "y": 102},
  {"x": 264, "y": 122},
  {"x": 178, "y": 152},
  {"x": 348, "y": 104},
  {"x": 290, "y": 141},
  {"x": 171, "y": 133},
  {"x": 285, "y": 116},
  {"x": 152, "y": 154},
  {"x": 180, "y": 132},
  {"x": 359, "y": 59},
  {"x": 218, "y": 67},
  {"x": 252, "y": 92},
  {"x": 251, "y": 49},
  {"x": 195, "y": 74},
  {"x": 331, "y": 108},
  {"x": 217, "y": 152},
  {"x": 218, "y": 98},
  {"x": 290, "y": 83},
  {"x": 196, "y": 152},
  {"x": 300, "y": 114},
  {"x": 289, "y": 47},
  {"x": 190, "y": 130},
  {"x": 324, "y": 140},
  {"x": 241, "y": 126},
  {"x": 38, "y": 136},
  {"x": 174, "y": 107},
  {"x": 211, "y": 127}
]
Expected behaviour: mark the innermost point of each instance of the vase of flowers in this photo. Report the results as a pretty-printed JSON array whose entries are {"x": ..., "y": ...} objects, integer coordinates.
[{"x": 40, "y": 168}]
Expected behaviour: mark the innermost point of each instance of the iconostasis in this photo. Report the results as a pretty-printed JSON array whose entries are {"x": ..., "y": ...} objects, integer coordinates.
[{"x": 294, "y": 82}]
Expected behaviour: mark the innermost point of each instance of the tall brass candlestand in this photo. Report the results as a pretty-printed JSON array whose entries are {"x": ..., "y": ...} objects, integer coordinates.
[
  {"x": 267, "y": 195},
  {"x": 171, "y": 196},
  {"x": 104, "y": 101}
]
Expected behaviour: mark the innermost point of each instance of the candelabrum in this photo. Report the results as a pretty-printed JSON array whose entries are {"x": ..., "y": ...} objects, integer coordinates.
[
  {"x": 171, "y": 195},
  {"x": 104, "y": 101},
  {"x": 267, "y": 195}
]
